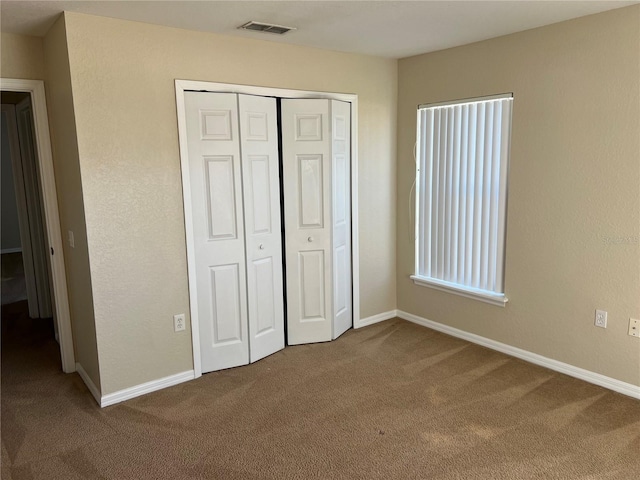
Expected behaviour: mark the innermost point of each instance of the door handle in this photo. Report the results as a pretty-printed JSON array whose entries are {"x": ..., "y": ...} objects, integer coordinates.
[
  {"x": 261, "y": 247},
  {"x": 310, "y": 239}
]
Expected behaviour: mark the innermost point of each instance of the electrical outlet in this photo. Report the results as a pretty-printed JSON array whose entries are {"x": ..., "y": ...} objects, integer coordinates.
[
  {"x": 601, "y": 319},
  {"x": 179, "y": 322},
  {"x": 634, "y": 327}
]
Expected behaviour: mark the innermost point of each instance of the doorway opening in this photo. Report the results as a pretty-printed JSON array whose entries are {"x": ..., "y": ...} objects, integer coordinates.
[
  {"x": 35, "y": 308},
  {"x": 28, "y": 328},
  {"x": 23, "y": 242}
]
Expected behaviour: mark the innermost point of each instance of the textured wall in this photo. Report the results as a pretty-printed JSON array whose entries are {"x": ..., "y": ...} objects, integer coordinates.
[
  {"x": 573, "y": 223},
  {"x": 70, "y": 201},
  {"x": 123, "y": 91},
  {"x": 21, "y": 56}
]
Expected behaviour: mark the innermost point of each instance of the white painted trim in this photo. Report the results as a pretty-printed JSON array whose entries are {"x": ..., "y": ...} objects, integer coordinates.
[
  {"x": 11, "y": 250},
  {"x": 144, "y": 388},
  {"x": 88, "y": 382},
  {"x": 355, "y": 232},
  {"x": 188, "y": 222},
  {"x": 185, "y": 85},
  {"x": 498, "y": 299},
  {"x": 571, "y": 370},
  {"x": 461, "y": 101},
  {"x": 51, "y": 213},
  {"x": 380, "y": 317}
]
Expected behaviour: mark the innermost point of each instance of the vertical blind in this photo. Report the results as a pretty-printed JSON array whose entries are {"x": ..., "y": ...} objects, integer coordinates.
[{"x": 462, "y": 159}]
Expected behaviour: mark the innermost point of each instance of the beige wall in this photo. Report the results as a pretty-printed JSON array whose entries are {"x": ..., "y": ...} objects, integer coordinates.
[
  {"x": 574, "y": 187},
  {"x": 21, "y": 56},
  {"x": 124, "y": 98},
  {"x": 70, "y": 201}
]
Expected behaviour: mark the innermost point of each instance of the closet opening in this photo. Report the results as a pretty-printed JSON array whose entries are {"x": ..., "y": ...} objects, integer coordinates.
[{"x": 255, "y": 162}]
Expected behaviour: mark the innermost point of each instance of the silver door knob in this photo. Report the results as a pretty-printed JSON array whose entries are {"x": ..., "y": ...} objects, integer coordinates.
[
  {"x": 261, "y": 247},
  {"x": 310, "y": 239}
]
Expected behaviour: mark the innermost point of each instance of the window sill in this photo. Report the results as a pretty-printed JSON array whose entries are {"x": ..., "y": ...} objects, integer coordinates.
[{"x": 482, "y": 295}]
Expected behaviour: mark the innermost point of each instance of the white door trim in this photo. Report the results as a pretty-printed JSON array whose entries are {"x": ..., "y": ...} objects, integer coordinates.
[
  {"x": 52, "y": 216},
  {"x": 184, "y": 85}
]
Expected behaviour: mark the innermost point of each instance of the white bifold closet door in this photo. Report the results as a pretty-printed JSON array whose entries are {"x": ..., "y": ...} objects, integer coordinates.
[
  {"x": 235, "y": 201},
  {"x": 316, "y": 156},
  {"x": 263, "y": 231}
]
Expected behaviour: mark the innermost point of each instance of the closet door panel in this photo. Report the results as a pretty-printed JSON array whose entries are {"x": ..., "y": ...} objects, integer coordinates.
[
  {"x": 215, "y": 178},
  {"x": 307, "y": 191},
  {"x": 341, "y": 218},
  {"x": 261, "y": 191}
]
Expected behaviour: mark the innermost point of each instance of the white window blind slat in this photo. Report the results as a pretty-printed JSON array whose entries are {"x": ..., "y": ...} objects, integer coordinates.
[
  {"x": 434, "y": 194},
  {"x": 455, "y": 197},
  {"x": 505, "y": 145},
  {"x": 431, "y": 194},
  {"x": 448, "y": 197},
  {"x": 441, "y": 203},
  {"x": 486, "y": 196},
  {"x": 495, "y": 197},
  {"x": 477, "y": 221},
  {"x": 471, "y": 166},
  {"x": 462, "y": 216},
  {"x": 426, "y": 163},
  {"x": 461, "y": 202}
]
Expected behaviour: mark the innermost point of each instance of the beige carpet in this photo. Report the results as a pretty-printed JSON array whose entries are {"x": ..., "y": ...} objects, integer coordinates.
[{"x": 389, "y": 401}]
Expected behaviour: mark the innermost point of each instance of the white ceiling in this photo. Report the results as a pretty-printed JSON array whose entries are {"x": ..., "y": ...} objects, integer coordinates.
[{"x": 387, "y": 28}]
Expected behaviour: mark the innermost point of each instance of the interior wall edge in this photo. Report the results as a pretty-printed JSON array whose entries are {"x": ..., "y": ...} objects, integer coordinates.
[
  {"x": 380, "y": 317},
  {"x": 95, "y": 391},
  {"x": 64, "y": 144}
]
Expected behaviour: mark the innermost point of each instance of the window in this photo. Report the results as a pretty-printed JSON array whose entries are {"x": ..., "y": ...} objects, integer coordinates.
[{"x": 462, "y": 157}]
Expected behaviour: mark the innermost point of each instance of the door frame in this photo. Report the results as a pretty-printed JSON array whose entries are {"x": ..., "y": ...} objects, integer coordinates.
[
  {"x": 191, "y": 85},
  {"x": 52, "y": 216}
]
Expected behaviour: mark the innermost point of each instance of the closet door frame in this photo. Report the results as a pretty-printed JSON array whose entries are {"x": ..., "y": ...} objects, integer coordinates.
[{"x": 190, "y": 85}]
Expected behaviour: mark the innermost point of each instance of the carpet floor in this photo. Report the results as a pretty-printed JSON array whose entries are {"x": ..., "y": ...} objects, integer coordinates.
[{"x": 390, "y": 401}]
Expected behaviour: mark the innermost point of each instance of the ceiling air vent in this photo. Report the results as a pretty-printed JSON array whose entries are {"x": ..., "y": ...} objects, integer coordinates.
[{"x": 265, "y": 27}]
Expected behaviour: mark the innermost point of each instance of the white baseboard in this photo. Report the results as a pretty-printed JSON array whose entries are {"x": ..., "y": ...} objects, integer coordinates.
[
  {"x": 88, "y": 382},
  {"x": 586, "y": 375},
  {"x": 152, "y": 386},
  {"x": 380, "y": 317},
  {"x": 11, "y": 250}
]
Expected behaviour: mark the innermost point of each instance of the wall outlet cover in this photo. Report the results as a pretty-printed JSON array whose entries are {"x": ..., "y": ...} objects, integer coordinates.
[
  {"x": 601, "y": 319},
  {"x": 179, "y": 322}
]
